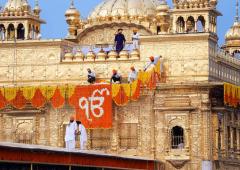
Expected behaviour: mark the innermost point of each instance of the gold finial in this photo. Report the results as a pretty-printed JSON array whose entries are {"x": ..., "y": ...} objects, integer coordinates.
[
  {"x": 237, "y": 14},
  {"x": 72, "y": 4},
  {"x": 36, "y": 3}
]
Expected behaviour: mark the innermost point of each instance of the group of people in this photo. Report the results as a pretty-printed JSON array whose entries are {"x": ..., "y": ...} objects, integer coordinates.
[
  {"x": 117, "y": 78},
  {"x": 119, "y": 41},
  {"x": 73, "y": 129}
]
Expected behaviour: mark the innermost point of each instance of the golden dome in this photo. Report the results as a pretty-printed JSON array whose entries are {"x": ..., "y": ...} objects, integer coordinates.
[
  {"x": 163, "y": 6},
  {"x": 72, "y": 11},
  {"x": 122, "y": 8},
  {"x": 16, "y": 5},
  {"x": 234, "y": 32}
]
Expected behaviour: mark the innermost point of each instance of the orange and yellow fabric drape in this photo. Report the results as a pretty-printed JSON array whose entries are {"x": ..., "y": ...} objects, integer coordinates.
[
  {"x": 123, "y": 93},
  {"x": 38, "y": 96},
  {"x": 231, "y": 95},
  {"x": 18, "y": 97}
]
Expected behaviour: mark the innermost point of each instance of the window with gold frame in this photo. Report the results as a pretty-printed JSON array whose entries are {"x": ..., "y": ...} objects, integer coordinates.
[
  {"x": 99, "y": 139},
  {"x": 128, "y": 135}
]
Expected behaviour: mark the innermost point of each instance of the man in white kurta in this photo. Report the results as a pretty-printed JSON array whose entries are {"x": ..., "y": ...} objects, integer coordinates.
[
  {"x": 135, "y": 39},
  {"x": 71, "y": 129},
  {"x": 132, "y": 76},
  {"x": 83, "y": 136},
  {"x": 152, "y": 63}
]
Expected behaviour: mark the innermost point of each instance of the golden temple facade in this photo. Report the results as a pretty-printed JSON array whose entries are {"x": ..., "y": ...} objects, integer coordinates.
[{"x": 184, "y": 123}]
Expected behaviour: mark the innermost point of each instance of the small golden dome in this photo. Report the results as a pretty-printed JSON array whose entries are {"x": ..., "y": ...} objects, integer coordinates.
[
  {"x": 68, "y": 56},
  {"x": 135, "y": 54},
  {"x": 90, "y": 55},
  {"x": 16, "y": 5},
  {"x": 234, "y": 32},
  {"x": 123, "y": 54},
  {"x": 101, "y": 55},
  {"x": 163, "y": 7},
  {"x": 79, "y": 55},
  {"x": 112, "y": 55},
  {"x": 72, "y": 12}
]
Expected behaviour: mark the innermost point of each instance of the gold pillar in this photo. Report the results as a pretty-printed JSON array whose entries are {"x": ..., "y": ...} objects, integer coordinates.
[
  {"x": 185, "y": 27},
  {"x": 114, "y": 142},
  {"x": 195, "y": 26},
  {"x": 1, "y": 127},
  {"x": 231, "y": 137}
]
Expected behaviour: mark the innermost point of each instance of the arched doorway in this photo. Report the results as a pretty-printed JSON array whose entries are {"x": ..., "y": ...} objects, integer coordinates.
[
  {"x": 2, "y": 32},
  {"x": 10, "y": 32},
  {"x": 201, "y": 24},
  {"x": 180, "y": 25},
  {"x": 236, "y": 54},
  {"x": 20, "y": 31},
  {"x": 177, "y": 137},
  {"x": 190, "y": 24}
]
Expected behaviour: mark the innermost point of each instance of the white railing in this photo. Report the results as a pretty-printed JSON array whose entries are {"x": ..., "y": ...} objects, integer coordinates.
[
  {"x": 224, "y": 67},
  {"x": 221, "y": 54},
  {"x": 97, "y": 52}
]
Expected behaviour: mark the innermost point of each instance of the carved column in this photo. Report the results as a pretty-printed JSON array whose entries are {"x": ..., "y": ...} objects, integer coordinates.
[
  {"x": 174, "y": 24},
  {"x": 185, "y": 27},
  {"x": 26, "y": 31},
  {"x": 1, "y": 127},
  {"x": 114, "y": 142},
  {"x": 207, "y": 29},
  {"x": 231, "y": 136},
  {"x": 37, "y": 129},
  {"x": 207, "y": 127},
  {"x": 195, "y": 26}
]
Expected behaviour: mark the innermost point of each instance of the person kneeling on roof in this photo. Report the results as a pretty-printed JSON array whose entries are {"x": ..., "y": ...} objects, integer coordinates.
[
  {"x": 91, "y": 76},
  {"x": 116, "y": 78}
]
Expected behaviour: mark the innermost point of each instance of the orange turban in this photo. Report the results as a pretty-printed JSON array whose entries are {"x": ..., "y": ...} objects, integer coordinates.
[
  {"x": 114, "y": 71},
  {"x": 151, "y": 58},
  {"x": 72, "y": 117}
]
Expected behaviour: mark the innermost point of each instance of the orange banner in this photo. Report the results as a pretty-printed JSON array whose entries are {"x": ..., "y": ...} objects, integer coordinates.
[{"x": 93, "y": 105}]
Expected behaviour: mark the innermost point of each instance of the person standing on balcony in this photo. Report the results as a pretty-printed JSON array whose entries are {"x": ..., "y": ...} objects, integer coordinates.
[
  {"x": 135, "y": 39},
  {"x": 71, "y": 130},
  {"x": 116, "y": 78},
  {"x": 83, "y": 135},
  {"x": 119, "y": 41},
  {"x": 91, "y": 76},
  {"x": 151, "y": 63},
  {"x": 132, "y": 75}
]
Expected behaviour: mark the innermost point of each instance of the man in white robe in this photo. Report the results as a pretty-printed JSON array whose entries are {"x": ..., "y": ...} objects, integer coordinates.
[
  {"x": 83, "y": 135},
  {"x": 153, "y": 61},
  {"x": 135, "y": 39},
  {"x": 71, "y": 129},
  {"x": 132, "y": 76}
]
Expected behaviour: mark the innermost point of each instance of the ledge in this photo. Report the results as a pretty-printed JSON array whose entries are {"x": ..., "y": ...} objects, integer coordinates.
[{"x": 188, "y": 108}]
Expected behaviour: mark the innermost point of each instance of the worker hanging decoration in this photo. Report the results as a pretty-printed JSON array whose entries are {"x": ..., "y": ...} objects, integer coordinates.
[{"x": 93, "y": 105}]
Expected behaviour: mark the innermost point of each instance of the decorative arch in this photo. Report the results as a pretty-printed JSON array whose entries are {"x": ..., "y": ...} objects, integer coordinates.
[
  {"x": 201, "y": 24},
  {"x": 11, "y": 32},
  {"x": 177, "y": 137},
  {"x": 24, "y": 133},
  {"x": 190, "y": 24},
  {"x": 105, "y": 33},
  {"x": 20, "y": 31},
  {"x": 2, "y": 32},
  {"x": 180, "y": 25}
]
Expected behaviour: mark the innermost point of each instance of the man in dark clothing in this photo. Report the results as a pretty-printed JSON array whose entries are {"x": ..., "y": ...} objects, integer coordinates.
[
  {"x": 119, "y": 41},
  {"x": 116, "y": 78},
  {"x": 91, "y": 76}
]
